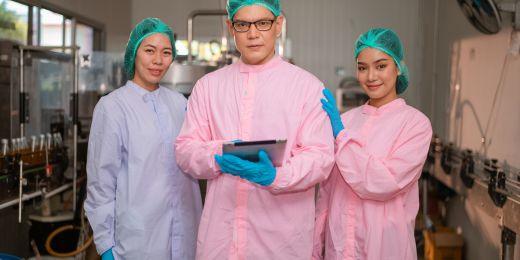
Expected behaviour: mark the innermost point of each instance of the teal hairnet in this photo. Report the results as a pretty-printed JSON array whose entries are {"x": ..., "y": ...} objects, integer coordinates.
[
  {"x": 233, "y": 6},
  {"x": 387, "y": 41},
  {"x": 145, "y": 28}
]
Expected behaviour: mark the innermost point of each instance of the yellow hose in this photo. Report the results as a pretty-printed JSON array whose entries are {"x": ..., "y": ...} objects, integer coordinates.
[{"x": 73, "y": 253}]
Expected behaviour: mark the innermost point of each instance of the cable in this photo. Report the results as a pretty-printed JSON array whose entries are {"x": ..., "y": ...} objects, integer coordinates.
[{"x": 68, "y": 254}]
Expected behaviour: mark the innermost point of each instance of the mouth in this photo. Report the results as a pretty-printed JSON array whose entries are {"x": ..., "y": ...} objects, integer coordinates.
[
  {"x": 374, "y": 86},
  {"x": 155, "y": 72},
  {"x": 255, "y": 46}
]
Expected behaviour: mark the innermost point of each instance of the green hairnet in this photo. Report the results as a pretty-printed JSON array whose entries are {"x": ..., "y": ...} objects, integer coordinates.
[
  {"x": 233, "y": 6},
  {"x": 387, "y": 41},
  {"x": 145, "y": 28}
]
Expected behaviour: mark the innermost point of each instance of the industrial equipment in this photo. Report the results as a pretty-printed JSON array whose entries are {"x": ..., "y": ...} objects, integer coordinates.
[
  {"x": 488, "y": 184},
  {"x": 485, "y": 16},
  {"x": 39, "y": 143}
]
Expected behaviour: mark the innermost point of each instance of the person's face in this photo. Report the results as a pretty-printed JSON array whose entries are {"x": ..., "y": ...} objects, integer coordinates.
[
  {"x": 153, "y": 57},
  {"x": 377, "y": 73},
  {"x": 256, "y": 47}
]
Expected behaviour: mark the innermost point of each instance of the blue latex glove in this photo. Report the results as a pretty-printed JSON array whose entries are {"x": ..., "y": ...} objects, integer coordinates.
[
  {"x": 262, "y": 172},
  {"x": 329, "y": 105},
  {"x": 107, "y": 255}
]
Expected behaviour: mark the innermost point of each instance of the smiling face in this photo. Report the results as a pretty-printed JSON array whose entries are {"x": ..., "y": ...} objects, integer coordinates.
[
  {"x": 256, "y": 47},
  {"x": 153, "y": 58},
  {"x": 377, "y": 73}
]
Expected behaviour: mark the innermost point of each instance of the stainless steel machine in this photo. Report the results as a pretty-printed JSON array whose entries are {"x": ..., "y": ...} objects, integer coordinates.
[
  {"x": 39, "y": 111},
  {"x": 487, "y": 183}
]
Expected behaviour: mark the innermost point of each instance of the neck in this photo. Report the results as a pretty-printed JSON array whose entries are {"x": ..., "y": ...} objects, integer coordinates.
[
  {"x": 261, "y": 62},
  {"x": 148, "y": 86},
  {"x": 379, "y": 102}
]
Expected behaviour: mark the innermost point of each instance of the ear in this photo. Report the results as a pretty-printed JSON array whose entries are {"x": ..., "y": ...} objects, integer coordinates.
[
  {"x": 279, "y": 25},
  {"x": 230, "y": 27}
]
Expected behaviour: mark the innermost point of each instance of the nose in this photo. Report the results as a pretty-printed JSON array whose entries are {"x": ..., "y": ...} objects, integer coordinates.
[
  {"x": 372, "y": 74},
  {"x": 253, "y": 33},
  {"x": 157, "y": 58}
]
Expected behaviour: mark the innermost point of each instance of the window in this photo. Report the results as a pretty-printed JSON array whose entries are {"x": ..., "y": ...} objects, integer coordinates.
[
  {"x": 14, "y": 20},
  {"x": 45, "y": 27},
  {"x": 85, "y": 38},
  {"x": 51, "y": 28}
]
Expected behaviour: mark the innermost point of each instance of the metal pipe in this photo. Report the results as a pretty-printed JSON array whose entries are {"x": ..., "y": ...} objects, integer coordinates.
[
  {"x": 75, "y": 70},
  {"x": 35, "y": 194},
  {"x": 21, "y": 63},
  {"x": 20, "y": 190},
  {"x": 191, "y": 17},
  {"x": 44, "y": 48}
]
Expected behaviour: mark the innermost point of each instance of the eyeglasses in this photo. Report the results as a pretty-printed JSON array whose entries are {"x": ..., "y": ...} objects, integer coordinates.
[{"x": 261, "y": 25}]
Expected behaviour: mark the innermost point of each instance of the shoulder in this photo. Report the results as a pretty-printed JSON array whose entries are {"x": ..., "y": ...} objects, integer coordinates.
[
  {"x": 110, "y": 105},
  {"x": 303, "y": 75},
  {"x": 219, "y": 73},
  {"x": 173, "y": 94},
  {"x": 417, "y": 119},
  {"x": 351, "y": 113}
]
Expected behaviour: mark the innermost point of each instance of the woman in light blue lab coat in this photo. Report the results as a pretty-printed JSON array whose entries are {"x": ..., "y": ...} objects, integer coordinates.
[{"x": 139, "y": 203}]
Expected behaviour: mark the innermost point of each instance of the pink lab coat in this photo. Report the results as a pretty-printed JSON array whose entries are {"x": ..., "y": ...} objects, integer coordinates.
[
  {"x": 277, "y": 100},
  {"x": 367, "y": 208}
]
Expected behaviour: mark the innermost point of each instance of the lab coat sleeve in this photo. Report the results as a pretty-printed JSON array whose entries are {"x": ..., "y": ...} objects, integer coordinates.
[
  {"x": 103, "y": 164},
  {"x": 195, "y": 148},
  {"x": 312, "y": 157},
  {"x": 381, "y": 179},
  {"x": 322, "y": 211}
]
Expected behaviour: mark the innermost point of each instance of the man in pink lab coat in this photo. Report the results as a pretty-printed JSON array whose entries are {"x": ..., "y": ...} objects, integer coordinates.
[{"x": 254, "y": 210}]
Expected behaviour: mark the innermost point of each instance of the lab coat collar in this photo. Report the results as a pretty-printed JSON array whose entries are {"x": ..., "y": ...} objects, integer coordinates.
[
  {"x": 275, "y": 60},
  {"x": 391, "y": 106},
  {"x": 145, "y": 94}
]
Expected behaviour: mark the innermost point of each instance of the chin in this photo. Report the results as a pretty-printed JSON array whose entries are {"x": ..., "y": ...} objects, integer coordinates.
[{"x": 256, "y": 58}]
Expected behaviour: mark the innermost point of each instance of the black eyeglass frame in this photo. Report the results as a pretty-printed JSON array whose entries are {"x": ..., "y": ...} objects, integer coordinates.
[{"x": 255, "y": 23}]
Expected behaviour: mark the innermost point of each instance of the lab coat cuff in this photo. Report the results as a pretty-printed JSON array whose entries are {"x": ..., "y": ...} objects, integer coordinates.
[
  {"x": 279, "y": 182},
  {"x": 101, "y": 220},
  {"x": 216, "y": 150},
  {"x": 103, "y": 246}
]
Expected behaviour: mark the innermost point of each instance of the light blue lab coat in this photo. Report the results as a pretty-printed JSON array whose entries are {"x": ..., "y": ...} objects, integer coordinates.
[{"x": 138, "y": 201}]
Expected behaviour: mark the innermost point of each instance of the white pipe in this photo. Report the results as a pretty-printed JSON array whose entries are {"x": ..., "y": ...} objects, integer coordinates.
[{"x": 35, "y": 194}]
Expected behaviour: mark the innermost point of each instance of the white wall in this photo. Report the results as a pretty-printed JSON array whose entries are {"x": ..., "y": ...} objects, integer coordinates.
[{"x": 323, "y": 34}]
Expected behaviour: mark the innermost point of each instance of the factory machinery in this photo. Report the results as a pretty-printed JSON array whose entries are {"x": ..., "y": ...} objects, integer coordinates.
[
  {"x": 486, "y": 183},
  {"x": 39, "y": 149}
]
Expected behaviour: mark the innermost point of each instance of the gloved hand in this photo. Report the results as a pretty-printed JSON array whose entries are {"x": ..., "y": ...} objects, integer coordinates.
[
  {"x": 262, "y": 172},
  {"x": 329, "y": 105},
  {"x": 107, "y": 255}
]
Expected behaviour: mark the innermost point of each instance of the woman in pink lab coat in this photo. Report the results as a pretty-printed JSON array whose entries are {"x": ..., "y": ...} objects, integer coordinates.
[{"x": 367, "y": 208}]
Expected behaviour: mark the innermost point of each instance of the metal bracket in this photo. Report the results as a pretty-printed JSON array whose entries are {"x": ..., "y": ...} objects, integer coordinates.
[
  {"x": 467, "y": 169},
  {"x": 497, "y": 184},
  {"x": 508, "y": 243},
  {"x": 24, "y": 108},
  {"x": 446, "y": 158}
]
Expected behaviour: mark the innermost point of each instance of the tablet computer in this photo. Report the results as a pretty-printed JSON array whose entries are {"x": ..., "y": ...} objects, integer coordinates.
[{"x": 248, "y": 150}]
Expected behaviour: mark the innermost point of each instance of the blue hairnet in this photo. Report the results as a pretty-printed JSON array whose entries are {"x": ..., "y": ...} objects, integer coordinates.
[
  {"x": 233, "y": 6},
  {"x": 387, "y": 41},
  {"x": 145, "y": 28}
]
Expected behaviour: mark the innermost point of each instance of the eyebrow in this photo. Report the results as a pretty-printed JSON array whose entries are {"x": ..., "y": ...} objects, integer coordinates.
[
  {"x": 261, "y": 19},
  {"x": 153, "y": 46},
  {"x": 377, "y": 61}
]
